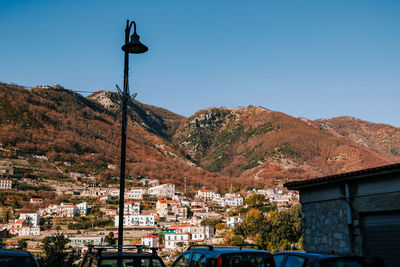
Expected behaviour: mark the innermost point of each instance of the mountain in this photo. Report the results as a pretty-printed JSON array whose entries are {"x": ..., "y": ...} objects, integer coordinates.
[
  {"x": 216, "y": 147},
  {"x": 154, "y": 119},
  {"x": 67, "y": 127},
  {"x": 380, "y": 137},
  {"x": 254, "y": 142}
]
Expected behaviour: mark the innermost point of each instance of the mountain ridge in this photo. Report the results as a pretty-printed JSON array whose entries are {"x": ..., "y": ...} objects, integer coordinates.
[{"x": 245, "y": 146}]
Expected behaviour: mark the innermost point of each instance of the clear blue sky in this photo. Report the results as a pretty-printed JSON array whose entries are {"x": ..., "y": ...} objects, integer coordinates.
[{"x": 313, "y": 59}]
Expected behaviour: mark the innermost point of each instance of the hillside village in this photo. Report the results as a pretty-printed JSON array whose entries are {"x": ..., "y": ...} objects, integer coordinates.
[
  {"x": 217, "y": 177},
  {"x": 155, "y": 214}
]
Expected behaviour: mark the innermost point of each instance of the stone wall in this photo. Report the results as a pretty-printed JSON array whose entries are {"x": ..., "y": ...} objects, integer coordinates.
[{"x": 325, "y": 227}]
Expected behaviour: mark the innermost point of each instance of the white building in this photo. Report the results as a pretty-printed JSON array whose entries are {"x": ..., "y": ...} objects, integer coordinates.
[
  {"x": 151, "y": 241},
  {"x": 36, "y": 200},
  {"x": 198, "y": 233},
  {"x": 163, "y": 190},
  {"x": 78, "y": 241},
  {"x": 167, "y": 207},
  {"x": 132, "y": 208},
  {"x": 268, "y": 193},
  {"x": 5, "y": 184},
  {"x": 29, "y": 231},
  {"x": 105, "y": 198},
  {"x": 66, "y": 209},
  {"x": 111, "y": 212},
  {"x": 149, "y": 182},
  {"x": 233, "y": 220},
  {"x": 206, "y": 194},
  {"x": 136, "y": 220},
  {"x": 173, "y": 240},
  {"x": 93, "y": 192},
  {"x": 114, "y": 193},
  {"x": 233, "y": 201},
  {"x": 31, "y": 218},
  {"x": 82, "y": 209},
  {"x": 136, "y": 193}
]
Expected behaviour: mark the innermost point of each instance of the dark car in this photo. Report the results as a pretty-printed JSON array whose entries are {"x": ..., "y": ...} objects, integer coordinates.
[
  {"x": 210, "y": 256},
  {"x": 17, "y": 258},
  {"x": 114, "y": 256},
  {"x": 305, "y": 259}
]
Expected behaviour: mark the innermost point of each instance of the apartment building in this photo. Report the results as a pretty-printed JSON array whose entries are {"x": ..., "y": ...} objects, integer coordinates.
[
  {"x": 136, "y": 220},
  {"x": 151, "y": 241},
  {"x": 174, "y": 240},
  {"x": 5, "y": 184},
  {"x": 163, "y": 190},
  {"x": 32, "y": 219}
]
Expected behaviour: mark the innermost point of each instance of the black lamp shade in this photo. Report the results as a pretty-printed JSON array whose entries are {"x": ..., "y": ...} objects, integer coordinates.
[{"x": 134, "y": 46}]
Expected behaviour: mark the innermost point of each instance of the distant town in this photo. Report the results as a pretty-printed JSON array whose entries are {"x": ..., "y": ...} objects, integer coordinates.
[{"x": 155, "y": 214}]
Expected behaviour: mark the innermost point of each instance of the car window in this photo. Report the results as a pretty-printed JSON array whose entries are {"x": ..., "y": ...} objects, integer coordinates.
[
  {"x": 93, "y": 263},
  {"x": 294, "y": 261},
  {"x": 14, "y": 261},
  {"x": 279, "y": 259},
  {"x": 340, "y": 263},
  {"x": 198, "y": 260},
  {"x": 182, "y": 261},
  {"x": 119, "y": 263},
  {"x": 248, "y": 260},
  {"x": 86, "y": 262},
  {"x": 150, "y": 263}
]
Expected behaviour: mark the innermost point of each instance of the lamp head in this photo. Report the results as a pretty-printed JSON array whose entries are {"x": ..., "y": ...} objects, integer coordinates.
[{"x": 134, "y": 46}]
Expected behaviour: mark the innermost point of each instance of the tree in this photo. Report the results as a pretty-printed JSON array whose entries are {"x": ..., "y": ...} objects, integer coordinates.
[
  {"x": 110, "y": 239},
  {"x": 274, "y": 230},
  {"x": 55, "y": 254},
  {"x": 211, "y": 221},
  {"x": 255, "y": 201},
  {"x": 7, "y": 217}
]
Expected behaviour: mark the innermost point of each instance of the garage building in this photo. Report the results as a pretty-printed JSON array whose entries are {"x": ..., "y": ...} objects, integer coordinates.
[{"x": 353, "y": 213}]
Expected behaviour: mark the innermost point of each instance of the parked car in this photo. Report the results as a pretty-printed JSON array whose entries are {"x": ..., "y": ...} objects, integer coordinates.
[
  {"x": 210, "y": 256},
  {"x": 17, "y": 258},
  {"x": 114, "y": 256},
  {"x": 305, "y": 259}
]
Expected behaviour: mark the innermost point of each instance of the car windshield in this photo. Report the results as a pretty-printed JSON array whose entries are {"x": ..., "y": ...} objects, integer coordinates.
[
  {"x": 16, "y": 261},
  {"x": 341, "y": 263},
  {"x": 136, "y": 262},
  {"x": 248, "y": 260}
]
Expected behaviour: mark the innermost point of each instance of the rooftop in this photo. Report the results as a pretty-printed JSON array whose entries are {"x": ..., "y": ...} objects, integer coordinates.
[{"x": 296, "y": 185}]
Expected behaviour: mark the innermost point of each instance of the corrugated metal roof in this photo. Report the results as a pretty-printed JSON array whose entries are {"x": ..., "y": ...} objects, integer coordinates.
[{"x": 295, "y": 185}]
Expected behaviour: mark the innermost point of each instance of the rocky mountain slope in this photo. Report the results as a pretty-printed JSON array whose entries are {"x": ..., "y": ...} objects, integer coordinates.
[
  {"x": 154, "y": 119},
  {"x": 66, "y": 127},
  {"x": 381, "y": 137},
  {"x": 269, "y": 146},
  {"x": 213, "y": 148}
]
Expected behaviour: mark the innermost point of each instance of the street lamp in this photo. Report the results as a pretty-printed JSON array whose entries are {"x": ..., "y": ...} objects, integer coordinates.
[{"x": 134, "y": 46}]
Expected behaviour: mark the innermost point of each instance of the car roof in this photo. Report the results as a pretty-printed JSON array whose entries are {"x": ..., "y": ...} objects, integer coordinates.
[
  {"x": 220, "y": 250},
  {"x": 19, "y": 253},
  {"x": 115, "y": 254},
  {"x": 313, "y": 255}
]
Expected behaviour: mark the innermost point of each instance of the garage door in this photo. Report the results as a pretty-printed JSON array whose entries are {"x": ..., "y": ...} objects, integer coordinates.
[{"x": 381, "y": 237}]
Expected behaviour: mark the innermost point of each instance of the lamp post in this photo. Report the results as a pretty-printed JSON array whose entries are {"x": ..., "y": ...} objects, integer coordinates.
[{"x": 134, "y": 46}]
